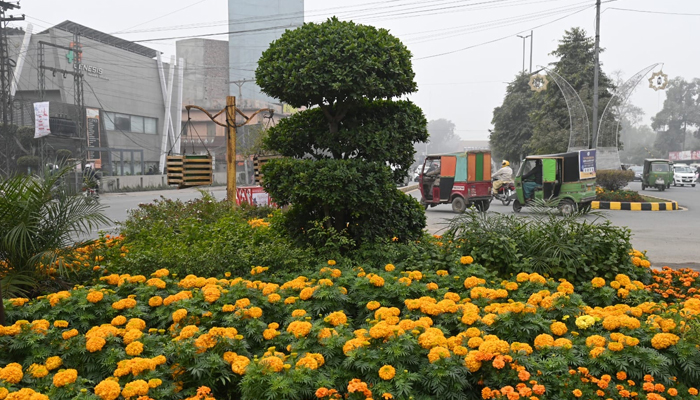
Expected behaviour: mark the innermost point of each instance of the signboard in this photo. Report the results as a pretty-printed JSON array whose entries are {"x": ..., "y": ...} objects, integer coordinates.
[
  {"x": 253, "y": 195},
  {"x": 682, "y": 155},
  {"x": 41, "y": 120},
  {"x": 586, "y": 164},
  {"x": 93, "y": 132},
  {"x": 696, "y": 155}
]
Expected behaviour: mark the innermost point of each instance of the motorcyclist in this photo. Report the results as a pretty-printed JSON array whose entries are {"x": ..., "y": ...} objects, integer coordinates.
[{"x": 502, "y": 176}]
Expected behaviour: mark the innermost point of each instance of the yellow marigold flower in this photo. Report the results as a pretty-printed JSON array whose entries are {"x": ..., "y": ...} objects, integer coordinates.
[
  {"x": 69, "y": 334},
  {"x": 615, "y": 284},
  {"x": 12, "y": 373},
  {"x": 108, "y": 389},
  {"x": 124, "y": 304},
  {"x": 299, "y": 328},
  {"x": 307, "y": 362},
  {"x": 94, "y": 297},
  {"x": 558, "y": 328},
  {"x": 179, "y": 315},
  {"x": 466, "y": 260},
  {"x": 37, "y": 371},
  {"x": 389, "y": 267},
  {"x": 442, "y": 272},
  {"x": 331, "y": 262},
  {"x": 95, "y": 343},
  {"x": 269, "y": 334},
  {"x": 664, "y": 340},
  {"x": 577, "y": 393},
  {"x": 298, "y": 313},
  {"x": 135, "y": 323},
  {"x": 563, "y": 342},
  {"x": 274, "y": 363},
  {"x": 387, "y": 372},
  {"x": 290, "y": 300},
  {"x": 134, "y": 348},
  {"x": 155, "y": 301},
  {"x": 60, "y": 324},
  {"x": 135, "y": 388},
  {"x": 118, "y": 320},
  {"x": 188, "y": 332},
  {"x": 585, "y": 321},
  {"x": 595, "y": 341},
  {"x": 336, "y": 318},
  {"x": 565, "y": 287},
  {"x": 432, "y": 286},
  {"x": 473, "y": 281},
  {"x": 131, "y": 335},
  {"x": 615, "y": 346},
  {"x": 53, "y": 362},
  {"x": 376, "y": 280},
  {"x": 306, "y": 293},
  {"x": 65, "y": 377},
  {"x": 544, "y": 340},
  {"x": 373, "y": 305},
  {"x": 598, "y": 282},
  {"x": 274, "y": 298},
  {"x": 154, "y": 383},
  {"x": 17, "y": 302},
  {"x": 437, "y": 353},
  {"x": 524, "y": 347},
  {"x": 161, "y": 273}
]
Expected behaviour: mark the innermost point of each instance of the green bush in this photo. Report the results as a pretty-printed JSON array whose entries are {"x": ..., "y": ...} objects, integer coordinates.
[
  {"x": 619, "y": 195},
  {"x": 567, "y": 248},
  {"x": 204, "y": 237},
  {"x": 613, "y": 179}
]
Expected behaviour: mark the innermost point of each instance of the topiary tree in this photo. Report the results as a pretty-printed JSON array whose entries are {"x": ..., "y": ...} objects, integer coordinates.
[{"x": 343, "y": 146}]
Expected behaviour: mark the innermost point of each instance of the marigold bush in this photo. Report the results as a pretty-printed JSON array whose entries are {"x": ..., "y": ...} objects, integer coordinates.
[{"x": 455, "y": 333}]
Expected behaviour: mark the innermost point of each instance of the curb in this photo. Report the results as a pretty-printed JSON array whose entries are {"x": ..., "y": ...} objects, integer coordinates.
[
  {"x": 409, "y": 188},
  {"x": 634, "y": 206}
]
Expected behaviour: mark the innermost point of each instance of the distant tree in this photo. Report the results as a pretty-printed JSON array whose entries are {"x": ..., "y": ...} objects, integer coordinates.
[
  {"x": 442, "y": 137},
  {"x": 680, "y": 116},
  {"x": 576, "y": 64},
  {"x": 511, "y": 120},
  {"x": 340, "y": 149}
]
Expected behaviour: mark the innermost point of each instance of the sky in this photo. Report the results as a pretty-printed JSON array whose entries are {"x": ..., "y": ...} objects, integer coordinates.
[{"x": 464, "y": 51}]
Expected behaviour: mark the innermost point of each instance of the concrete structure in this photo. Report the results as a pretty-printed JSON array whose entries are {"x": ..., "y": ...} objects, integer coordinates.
[
  {"x": 122, "y": 88},
  {"x": 255, "y": 24}
]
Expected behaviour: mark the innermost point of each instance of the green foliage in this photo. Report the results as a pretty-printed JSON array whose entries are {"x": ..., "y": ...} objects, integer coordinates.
[
  {"x": 352, "y": 196},
  {"x": 512, "y": 125},
  {"x": 344, "y": 147},
  {"x": 619, "y": 195},
  {"x": 613, "y": 179},
  {"x": 29, "y": 161},
  {"x": 335, "y": 61},
  {"x": 204, "y": 236},
  {"x": 561, "y": 247},
  {"x": 679, "y": 117}
]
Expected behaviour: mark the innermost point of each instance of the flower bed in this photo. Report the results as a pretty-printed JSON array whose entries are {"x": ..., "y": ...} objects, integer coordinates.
[
  {"x": 379, "y": 333},
  {"x": 618, "y": 195}
]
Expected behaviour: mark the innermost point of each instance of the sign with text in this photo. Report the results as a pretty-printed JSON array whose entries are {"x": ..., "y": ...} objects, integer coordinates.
[
  {"x": 93, "y": 132},
  {"x": 586, "y": 164},
  {"x": 41, "y": 120}
]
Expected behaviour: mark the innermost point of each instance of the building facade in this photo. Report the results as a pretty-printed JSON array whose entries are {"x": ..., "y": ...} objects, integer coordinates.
[
  {"x": 254, "y": 25},
  {"x": 122, "y": 127}
]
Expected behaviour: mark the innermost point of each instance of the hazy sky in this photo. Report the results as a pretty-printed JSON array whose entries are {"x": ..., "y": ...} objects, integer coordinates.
[{"x": 465, "y": 51}]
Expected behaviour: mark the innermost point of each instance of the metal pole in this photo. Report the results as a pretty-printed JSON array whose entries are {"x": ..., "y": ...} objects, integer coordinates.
[
  {"x": 523, "y": 38},
  {"x": 231, "y": 149},
  {"x": 596, "y": 69},
  {"x": 532, "y": 37}
]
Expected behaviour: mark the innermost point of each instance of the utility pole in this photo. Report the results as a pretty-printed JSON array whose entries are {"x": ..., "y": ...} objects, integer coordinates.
[
  {"x": 523, "y": 38},
  {"x": 532, "y": 38},
  {"x": 78, "y": 93},
  {"x": 231, "y": 126},
  {"x": 596, "y": 71},
  {"x": 5, "y": 86}
]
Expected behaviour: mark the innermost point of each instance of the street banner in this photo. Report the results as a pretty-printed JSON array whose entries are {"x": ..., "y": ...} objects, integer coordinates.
[
  {"x": 93, "y": 133},
  {"x": 674, "y": 155},
  {"x": 41, "y": 120},
  {"x": 696, "y": 155},
  {"x": 586, "y": 164}
]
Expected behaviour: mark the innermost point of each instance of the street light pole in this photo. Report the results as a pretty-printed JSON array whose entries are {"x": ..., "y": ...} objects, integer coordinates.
[
  {"x": 532, "y": 38},
  {"x": 596, "y": 71},
  {"x": 523, "y": 38}
]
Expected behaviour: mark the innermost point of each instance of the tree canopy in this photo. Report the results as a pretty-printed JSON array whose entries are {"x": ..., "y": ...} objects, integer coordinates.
[
  {"x": 680, "y": 116},
  {"x": 342, "y": 149}
]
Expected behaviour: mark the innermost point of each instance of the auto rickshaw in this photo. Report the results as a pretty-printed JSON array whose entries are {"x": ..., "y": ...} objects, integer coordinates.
[
  {"x": 461, "y": 179},
  {"x": 657, "y": 173},
  {"x": 568, "y": 177}
]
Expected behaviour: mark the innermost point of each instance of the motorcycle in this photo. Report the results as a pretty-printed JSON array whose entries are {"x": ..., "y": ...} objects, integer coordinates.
[{"x": 505, "y": 193}]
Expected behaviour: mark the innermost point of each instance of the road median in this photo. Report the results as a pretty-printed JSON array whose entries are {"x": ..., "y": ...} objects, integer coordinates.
[{"x": 635, "y": 206}]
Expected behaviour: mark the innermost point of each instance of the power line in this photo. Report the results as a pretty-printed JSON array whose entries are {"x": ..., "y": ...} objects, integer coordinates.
[{"x": 653, "y": 12}]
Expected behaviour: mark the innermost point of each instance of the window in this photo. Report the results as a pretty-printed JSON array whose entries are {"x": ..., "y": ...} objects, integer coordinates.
[
  {"x": 136, "y": 124},
  {"x": 130, "y": 123},
  {"x": 109, "y": 121},
  {"x": 122, "y": 122},
  {"x": 149, "y": 125}
]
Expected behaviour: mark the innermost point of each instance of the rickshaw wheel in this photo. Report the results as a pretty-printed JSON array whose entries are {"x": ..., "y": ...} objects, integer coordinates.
[
  {"x": 643, "y": 187},
  {"x": 567, "y": 207},
  {"x": 458, "y": 205},
  {"x": 585, "y": 207},
  {"x": 517, "y": 206}
]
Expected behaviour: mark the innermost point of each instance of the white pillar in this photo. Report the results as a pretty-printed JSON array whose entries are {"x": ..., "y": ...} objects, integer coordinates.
[
  {"x": 20, "y": 59},
  {"x": 166, "y": 119},
  {"x": 178, "y": 106}
]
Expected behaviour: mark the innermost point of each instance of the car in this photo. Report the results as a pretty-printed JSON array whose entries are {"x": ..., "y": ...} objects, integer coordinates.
[
  {"x": 637, "y": 172},
  {"x": 683, "y": 175}
]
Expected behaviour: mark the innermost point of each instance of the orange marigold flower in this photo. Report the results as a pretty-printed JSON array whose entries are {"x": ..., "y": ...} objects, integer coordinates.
[{"x": 387, "y": 372}]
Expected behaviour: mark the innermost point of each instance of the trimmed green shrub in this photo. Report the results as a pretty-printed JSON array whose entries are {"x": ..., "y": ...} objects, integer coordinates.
[{"x": 613, "y": 179}]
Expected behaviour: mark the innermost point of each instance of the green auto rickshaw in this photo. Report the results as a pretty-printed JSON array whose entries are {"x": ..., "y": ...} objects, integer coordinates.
[
  {"x": 658, "y": 173},
  {"x": 567, "y": 177}
]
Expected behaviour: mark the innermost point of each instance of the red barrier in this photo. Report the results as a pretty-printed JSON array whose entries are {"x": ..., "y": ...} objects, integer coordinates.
[{"x": 254, "y": 195}]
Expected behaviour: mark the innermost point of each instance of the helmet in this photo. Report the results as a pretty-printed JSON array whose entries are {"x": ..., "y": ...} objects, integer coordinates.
[{"x": 505, "y": 163}]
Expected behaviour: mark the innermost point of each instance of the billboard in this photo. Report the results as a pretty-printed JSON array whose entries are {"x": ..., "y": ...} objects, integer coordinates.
[
  {"x": 683, "y": 155},
  {"x": 586, "y": 164},
  {"x": 42, "y": 126},
  {"x": 92, "y": 116}
]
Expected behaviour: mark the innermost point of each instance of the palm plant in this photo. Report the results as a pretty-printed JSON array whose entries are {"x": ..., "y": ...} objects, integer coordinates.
[{"x": 39, "y": 221}]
